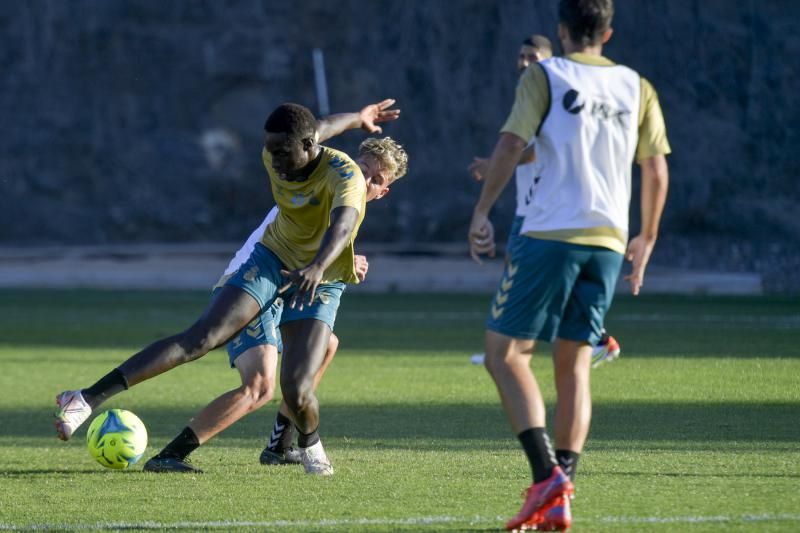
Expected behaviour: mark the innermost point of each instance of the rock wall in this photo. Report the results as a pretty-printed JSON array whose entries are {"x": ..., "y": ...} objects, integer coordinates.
[{"x": 136, "y": 121}]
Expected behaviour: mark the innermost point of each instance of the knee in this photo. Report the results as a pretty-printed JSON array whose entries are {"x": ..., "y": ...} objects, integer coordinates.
[
  {"x": 195, "y": 342},
  {"x": 198, "y": 340},
  {"x": 333, "y": 344},
  {"x": 297, "y": 395},
  {"x": 258, "y": 392}
]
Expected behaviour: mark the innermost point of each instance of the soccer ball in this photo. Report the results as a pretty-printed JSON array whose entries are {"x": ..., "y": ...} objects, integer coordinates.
[{"x": 116, "y": 439}]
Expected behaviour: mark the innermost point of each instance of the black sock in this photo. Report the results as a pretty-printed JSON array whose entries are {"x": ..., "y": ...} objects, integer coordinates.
[
  {"x": 568, "y": 461},
  {"x": 537, "y": 447},
  {"x": 181, "y": 446},
  {"x": 305, "y": 440},
  {"x": 282, "y": 434},
  {"x": 109, "y": 385}
]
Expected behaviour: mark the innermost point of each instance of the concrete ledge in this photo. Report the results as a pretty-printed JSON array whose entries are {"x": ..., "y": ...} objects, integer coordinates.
[{"x": 198, "y": 266}]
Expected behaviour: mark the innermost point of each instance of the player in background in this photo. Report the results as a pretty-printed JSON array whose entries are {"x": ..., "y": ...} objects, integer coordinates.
[
  {"x": 534, "y": 49},
  {"x": 305, "y": 256},
  {"x": 254, "y": 351},
  {"x": 590, "y": 118}
]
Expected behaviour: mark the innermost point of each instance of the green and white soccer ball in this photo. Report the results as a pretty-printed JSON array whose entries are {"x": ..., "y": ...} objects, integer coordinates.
[{"x": 117, "y": 439}]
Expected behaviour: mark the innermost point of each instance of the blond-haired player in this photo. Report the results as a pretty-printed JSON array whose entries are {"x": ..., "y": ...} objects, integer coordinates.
[
  {"x": 254, "y": 351},
  {"x": 306, "y": 256}
]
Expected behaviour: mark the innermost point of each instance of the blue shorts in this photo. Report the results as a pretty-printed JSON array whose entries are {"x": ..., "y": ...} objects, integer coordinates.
[
  {"x": 261, "y": 331},
  {"x": 555, "y": 289},
  {"x": 260, "y": 277},
  {"x": 513, "y": 234}
]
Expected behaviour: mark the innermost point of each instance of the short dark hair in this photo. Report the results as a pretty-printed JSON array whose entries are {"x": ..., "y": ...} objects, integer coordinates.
[
  {"x": 586, "y": 20},
  {"x": 293, "y": 119},
  {"x": 540, "y": 42}
]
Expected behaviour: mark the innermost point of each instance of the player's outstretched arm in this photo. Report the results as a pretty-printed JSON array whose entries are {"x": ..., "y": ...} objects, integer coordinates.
[
  {"x": 655, "y": 182},
  {"x": 501, "y": 166},
  {"x": 336, "y": 237},
  {"x": 333, "y": 125}
]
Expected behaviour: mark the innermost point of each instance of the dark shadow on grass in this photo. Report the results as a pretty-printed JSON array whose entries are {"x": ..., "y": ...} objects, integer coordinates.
[
  {"x": 694, "y": 425},
  {"x": 759, "y": 474},
  {"x": 411, "y": 323}
]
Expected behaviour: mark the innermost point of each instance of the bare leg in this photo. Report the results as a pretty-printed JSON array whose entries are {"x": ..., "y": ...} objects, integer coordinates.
[
  {"x": 333, "y": 345},
  {"x": 257, "y": 368},
  {"x": 573, "y": 415},
  {"x": 228, "y": 313},
  {"x": 519, "y": 391},
  {"x": 305, "y": 345}
]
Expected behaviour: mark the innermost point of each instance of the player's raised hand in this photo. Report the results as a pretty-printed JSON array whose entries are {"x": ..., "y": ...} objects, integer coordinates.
[
  {"x": 379, "y": 112},
  {"x": 306, "y": 280},
  {"x": 481, "y": 237},
  {"x": 478, "y": 168},
  {"x": 638, "y": 253},
  {"x": 361, "y": 265}
]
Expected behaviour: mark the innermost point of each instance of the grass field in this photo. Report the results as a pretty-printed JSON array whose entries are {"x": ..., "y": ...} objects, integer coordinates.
[{"x": 696, "y": 428}]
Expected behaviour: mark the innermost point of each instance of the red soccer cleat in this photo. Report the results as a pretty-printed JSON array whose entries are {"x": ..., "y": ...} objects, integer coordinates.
[
  {"x": 540, "y": 497},
  {"x": 558, "y": 517}
]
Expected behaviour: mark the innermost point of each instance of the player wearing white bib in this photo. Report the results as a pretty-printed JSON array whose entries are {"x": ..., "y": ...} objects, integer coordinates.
[
  {"x": 534, "y": 49},
  {"x": 591, "y": 119}
]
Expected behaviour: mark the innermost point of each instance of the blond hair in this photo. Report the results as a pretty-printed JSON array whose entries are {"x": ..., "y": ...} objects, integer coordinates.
[{"x": 389, "y": 153}]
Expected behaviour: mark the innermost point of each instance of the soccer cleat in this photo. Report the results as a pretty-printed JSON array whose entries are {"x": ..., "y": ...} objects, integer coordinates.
[
  {"x": 170, "y": 464},
  {"x": 539, "y": 497},
  {"x": 555, "y": 517},
  {"x": 290, "y": 456},
  {"x": 315, "y": 461},
  {"x": 606, "y": 351},
  {"x": 72, "y": 411}
]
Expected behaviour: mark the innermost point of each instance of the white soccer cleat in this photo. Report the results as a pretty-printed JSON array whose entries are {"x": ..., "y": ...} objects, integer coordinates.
[
  {"x": 315, "y": 461},
  {"x": 72, "y": 411}
]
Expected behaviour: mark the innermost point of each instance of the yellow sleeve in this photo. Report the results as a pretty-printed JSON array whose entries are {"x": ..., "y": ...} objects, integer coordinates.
[
  {"x": 652, "y": 130},
  {"x": 530, "y": 104},
  {"x": 350, "y": 188}
]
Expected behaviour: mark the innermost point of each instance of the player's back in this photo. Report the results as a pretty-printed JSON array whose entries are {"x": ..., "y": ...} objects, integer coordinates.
[{"x": 585, "y": 146}]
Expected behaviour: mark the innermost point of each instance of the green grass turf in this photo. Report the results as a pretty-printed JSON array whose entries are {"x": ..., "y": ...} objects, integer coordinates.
[{"x": 695, "y": 428}]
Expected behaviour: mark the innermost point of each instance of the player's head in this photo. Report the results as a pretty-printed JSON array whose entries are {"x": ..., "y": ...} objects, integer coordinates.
[
  {"x": 383, "y": 161},
  {"x": 533, "y": 49},
  {"x": 585, "y": 22},
  {"x": 290, "y": 137}
]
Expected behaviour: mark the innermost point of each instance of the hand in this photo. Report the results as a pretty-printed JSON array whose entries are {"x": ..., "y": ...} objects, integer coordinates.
[
  {"x": 638, "y": 253},
  {"x": 306, "y": 279},
  {"x": 478, "y": 168},
  {"x": 481, "y": 237},
  {"x": 379, "y": 112},
  {"x": 361, "y": 266}
]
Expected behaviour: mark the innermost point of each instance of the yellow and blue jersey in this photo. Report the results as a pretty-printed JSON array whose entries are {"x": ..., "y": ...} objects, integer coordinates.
[{"x": 305, "y": 212}]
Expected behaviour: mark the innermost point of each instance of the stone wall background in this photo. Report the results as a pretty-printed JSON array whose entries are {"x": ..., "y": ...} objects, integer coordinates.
[{"x": 140, "y": 121}]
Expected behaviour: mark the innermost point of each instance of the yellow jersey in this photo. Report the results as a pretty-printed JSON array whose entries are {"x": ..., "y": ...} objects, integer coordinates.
[{"x": 304, "y": 212}]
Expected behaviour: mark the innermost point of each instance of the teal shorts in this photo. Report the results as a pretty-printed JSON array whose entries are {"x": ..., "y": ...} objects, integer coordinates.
[
  {"x": 513, "y": 234},
  {"x": 260, "y": 277},
  {"x": 555, "y": 289},
  {"x": 263, "y": 330}
]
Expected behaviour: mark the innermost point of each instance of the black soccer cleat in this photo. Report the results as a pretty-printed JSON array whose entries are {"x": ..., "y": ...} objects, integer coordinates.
[
  {"x": 170, "y": 464},
  {"x": 290, "y": 456}
]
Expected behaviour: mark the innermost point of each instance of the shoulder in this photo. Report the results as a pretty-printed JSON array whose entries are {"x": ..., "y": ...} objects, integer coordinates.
[
  {"x": 339, "y": 164},
  {"x": 535, "y": 76}
]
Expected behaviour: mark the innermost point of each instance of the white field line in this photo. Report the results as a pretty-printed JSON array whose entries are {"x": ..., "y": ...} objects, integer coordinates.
[
  {"x": 417, "y": 521},
  {"x": 778, "y": 321}
]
